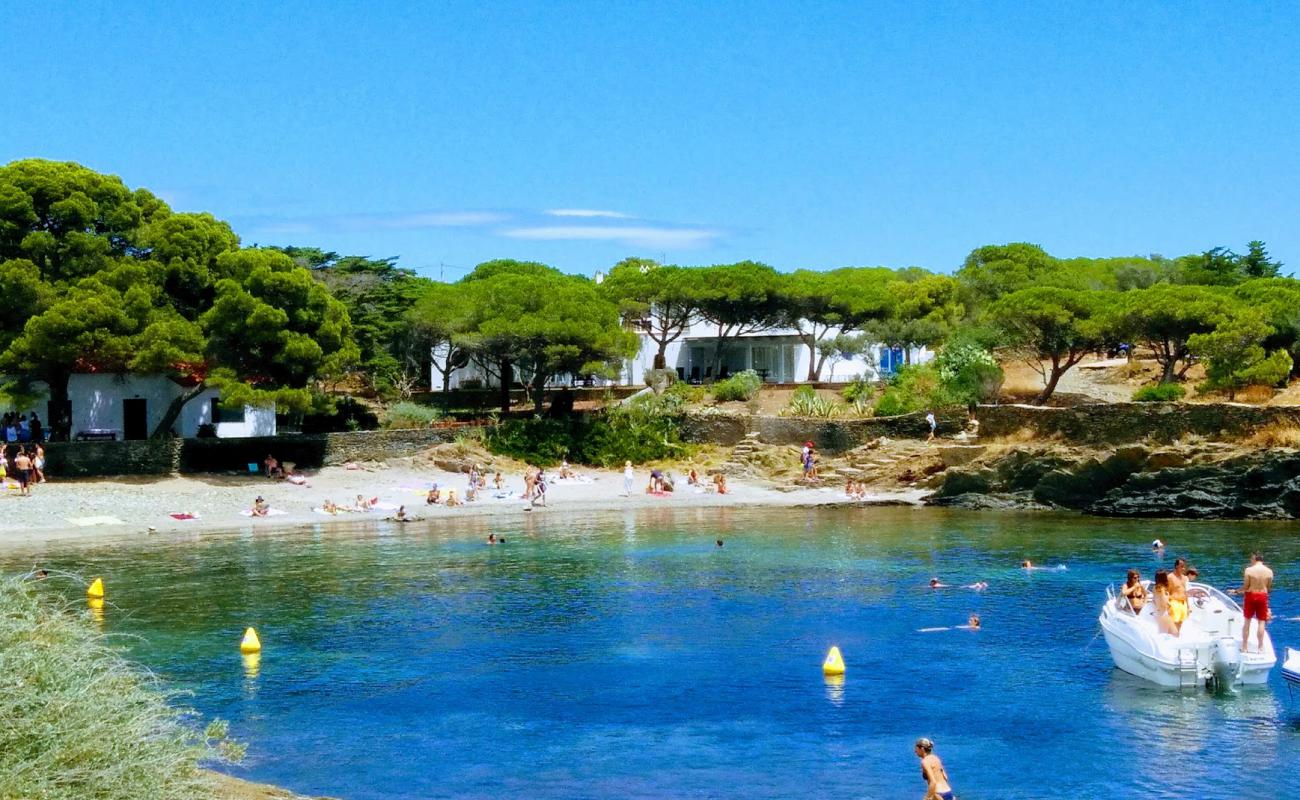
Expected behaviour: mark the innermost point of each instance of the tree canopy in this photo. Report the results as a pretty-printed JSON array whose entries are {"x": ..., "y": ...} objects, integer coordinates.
[{"x": 96, "y": 277}]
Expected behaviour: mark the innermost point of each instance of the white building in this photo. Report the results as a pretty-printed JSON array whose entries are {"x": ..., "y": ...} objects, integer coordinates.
[
  {"x": 131, "y": 406},
  {"x": 778, "y": 355}
]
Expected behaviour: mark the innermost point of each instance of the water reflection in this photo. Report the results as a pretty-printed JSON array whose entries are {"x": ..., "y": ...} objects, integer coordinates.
[
  {"x": 96, "y": 606},
  {"x": 835, "y": 689}
]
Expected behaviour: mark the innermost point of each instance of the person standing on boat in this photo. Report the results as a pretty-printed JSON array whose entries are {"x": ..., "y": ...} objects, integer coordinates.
[
  {"x": 936, "y": 777},
  {"x": 1256, "y": 582},
  {"x": 1178, "y": 594}
]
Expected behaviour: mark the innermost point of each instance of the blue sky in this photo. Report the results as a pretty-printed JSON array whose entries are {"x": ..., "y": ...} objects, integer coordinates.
[{"x": 800, "y": 134}]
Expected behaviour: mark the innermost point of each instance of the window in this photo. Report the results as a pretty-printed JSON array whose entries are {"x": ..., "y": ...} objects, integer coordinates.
[{"x": 222, "y": 414}]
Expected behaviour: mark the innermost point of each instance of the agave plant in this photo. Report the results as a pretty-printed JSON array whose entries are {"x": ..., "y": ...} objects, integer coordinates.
[{"x": 807, "y": 403}]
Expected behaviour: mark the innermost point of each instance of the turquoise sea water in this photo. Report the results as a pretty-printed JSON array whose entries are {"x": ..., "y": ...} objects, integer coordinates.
[{"x": 628, "y": 656}]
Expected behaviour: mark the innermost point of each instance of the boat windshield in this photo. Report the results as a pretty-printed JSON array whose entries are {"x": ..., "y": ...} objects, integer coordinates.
[{"x": 1210, "y": 591}]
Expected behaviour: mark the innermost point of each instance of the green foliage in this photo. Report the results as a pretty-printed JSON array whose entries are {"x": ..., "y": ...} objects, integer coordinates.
[
  {"x": 377, "y": 295},
  {"x": 1164, "y": 317},
  {"x": 542, "y": 321},
  {"x": 741, "y": 386},
  {"x": 858, "y": 389},
  {"x": 687, "y": 392},
  {"x": 1160, "y": 393},
  {"x": 913, "y": 388},
  {"x": 410, "y": 415},
  {"x": 339, "y": 414},
  {"x": 663, "y": 299},
  {"x": 644, "y": 430},
  {"x": 79, "y": 721},
  {"x": 1051, "y": 328},
  {"x": 1234, "y": 357},
  {"x": 807, "y": 403},
  {"x": 969, "y": 373},
  {"x": 97, "y": 277}
]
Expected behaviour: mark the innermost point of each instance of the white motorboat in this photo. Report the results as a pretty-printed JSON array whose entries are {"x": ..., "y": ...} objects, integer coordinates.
[
  {"x": 1207, "y": 649},
  {"x": 1291, "y": 667}
]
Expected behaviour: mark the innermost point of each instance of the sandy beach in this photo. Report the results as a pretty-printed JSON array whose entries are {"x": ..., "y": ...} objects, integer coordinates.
[{"x": 126, "y": 508}]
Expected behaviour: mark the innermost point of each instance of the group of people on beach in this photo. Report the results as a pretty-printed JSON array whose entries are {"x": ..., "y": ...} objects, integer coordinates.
[
  {"x": 24, "y": 465},
  {"x": 21, "y": 429},
  {"x": 1171, "y": 589}
]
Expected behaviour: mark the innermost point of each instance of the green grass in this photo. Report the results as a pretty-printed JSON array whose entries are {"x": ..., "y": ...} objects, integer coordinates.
[{"x": 79, "y": 721}]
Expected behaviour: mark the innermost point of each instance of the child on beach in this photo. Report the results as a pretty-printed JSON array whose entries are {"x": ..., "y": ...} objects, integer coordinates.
[
  {"x": 498, "y": 482},
  {"x": 434, "y": 496},
  {"x": 260, "y": 507},
  {"x": 629, "y": 476},
  {"x": 720, "y": 482}
]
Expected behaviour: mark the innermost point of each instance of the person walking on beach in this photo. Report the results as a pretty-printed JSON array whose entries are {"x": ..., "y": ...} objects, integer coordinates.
[
  {"x": 930, "y": 420},
  {"x": 936, "y": 777},
  {"x": 23, "y": 468},
  {"x": 1256, "y": 582},
  {"x": 629, "y": 478}
]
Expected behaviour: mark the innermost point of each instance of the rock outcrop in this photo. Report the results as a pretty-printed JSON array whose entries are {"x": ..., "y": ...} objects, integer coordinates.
[{"x": 1194, "y": 481}]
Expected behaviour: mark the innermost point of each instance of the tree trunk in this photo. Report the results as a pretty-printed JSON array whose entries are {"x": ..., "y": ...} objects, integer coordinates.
[
  {"x": 717, "y": 354},
  {"x": 539, "y": 392},
  {"x": 59, "y": 422},
  {"x": 661, "y": 360},
  {"x": 173, "y": 412},
  {"x": 507, "y": 378},
  {"x": 446, "y": 378},
  {"x": 1167, "y": 376},
  {"x": 1052, "y": 380}
]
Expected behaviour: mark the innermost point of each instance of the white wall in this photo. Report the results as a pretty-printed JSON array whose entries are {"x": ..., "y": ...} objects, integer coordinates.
[
  {"x": 258, "y": 420},
  {"x": 97, "y": 404},
  {"x": 97, "y": 399}
]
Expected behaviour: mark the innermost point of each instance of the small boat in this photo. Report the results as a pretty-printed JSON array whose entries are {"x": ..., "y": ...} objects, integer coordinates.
[
  {"x": 1291, "y": 668},
  {"x": 1206, "y": 652}
]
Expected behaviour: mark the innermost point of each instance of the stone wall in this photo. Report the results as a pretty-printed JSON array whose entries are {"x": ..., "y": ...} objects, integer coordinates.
[
  {"x": 1114, "y": 423},
  {"x": 86, "y": 459},
  {"x": 165, "y": 456}
]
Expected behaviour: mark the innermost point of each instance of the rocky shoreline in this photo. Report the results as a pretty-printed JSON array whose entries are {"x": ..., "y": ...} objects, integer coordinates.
[{"x": 1203, "y": 481}]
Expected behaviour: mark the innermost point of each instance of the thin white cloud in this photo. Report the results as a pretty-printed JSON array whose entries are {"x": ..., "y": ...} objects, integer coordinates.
[
  {"x": 442, "y": 219},
  {"x": 403, "y": 221},
  {"x": 588, "y": 213},
  {"x": 636, "y": 235}
]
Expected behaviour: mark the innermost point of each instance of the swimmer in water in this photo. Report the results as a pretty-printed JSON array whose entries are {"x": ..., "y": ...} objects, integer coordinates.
[
  {"x": 978, "y": 586},
  {"x": 935, "y": 584},
  {"x": 719, "y": 543},
  {"x": 973, "y": 622}
]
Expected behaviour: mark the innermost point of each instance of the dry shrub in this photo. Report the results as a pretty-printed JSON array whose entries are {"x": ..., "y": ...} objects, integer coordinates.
[
  {"x": 1254, "y": 394},
  {"x": 1278, "y": 434},
  {"x": 1021, "y": 386},
  {"x": 1023, "y": 435}
]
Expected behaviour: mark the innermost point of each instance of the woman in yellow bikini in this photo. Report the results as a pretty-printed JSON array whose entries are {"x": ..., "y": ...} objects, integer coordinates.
[{"x": 1164, "y": 616}]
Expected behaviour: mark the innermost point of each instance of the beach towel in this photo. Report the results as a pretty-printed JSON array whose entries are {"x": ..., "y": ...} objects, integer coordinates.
[
  {"x": 274, "y": 512},
  {"x": 184, "y": 516},
  {"x": 86, "y": 522}
]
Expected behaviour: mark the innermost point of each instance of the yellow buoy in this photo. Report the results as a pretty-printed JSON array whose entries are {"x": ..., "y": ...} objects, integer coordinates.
[
  {"x": 250, "y": 643},
  {"x": 834, "y": 663},
  {"x": 96, "y": 588}
]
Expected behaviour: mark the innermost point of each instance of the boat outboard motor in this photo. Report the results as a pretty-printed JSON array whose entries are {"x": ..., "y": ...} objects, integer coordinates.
[{"x": 1227, "y": 661}]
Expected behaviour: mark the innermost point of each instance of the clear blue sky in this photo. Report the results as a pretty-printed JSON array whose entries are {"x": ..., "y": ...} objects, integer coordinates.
[{"x": 800, "y": 134}]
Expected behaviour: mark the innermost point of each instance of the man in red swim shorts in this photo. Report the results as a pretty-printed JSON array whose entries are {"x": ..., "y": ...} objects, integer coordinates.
[{"x": 1255, "y": 583}]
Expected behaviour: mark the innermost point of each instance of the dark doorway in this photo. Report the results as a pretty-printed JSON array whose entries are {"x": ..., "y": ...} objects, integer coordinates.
[{"x": 135, "y": 419}]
